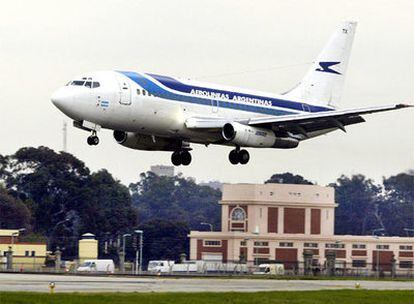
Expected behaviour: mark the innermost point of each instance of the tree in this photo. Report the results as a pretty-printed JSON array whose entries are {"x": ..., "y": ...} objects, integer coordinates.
[
  {"x": 14, "y": 213},
  {"x": 358, "y": 200},
  {"x": 287, "y": 178},
  {"x": 3, "y": 163},
  {"x": 66, "y": 200},
  {"x": 175, "y": 199},
  {"x": 164, "y": 240},
  {"x": 109, "y": 207},
  {"x": 398, "y": 204},
  {"x": 54, "y": 182}
]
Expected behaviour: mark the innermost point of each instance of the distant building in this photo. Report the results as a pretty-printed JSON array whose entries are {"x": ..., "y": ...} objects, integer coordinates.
[
  {"x": 279, "y": 222},
  {"x": 26, "y": 255},
  {"x": 213, "y": 184},
  {"x": 161, "y": 170}
]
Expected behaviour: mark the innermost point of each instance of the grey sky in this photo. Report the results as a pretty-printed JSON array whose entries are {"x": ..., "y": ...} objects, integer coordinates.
[{"x": 43, "y": 44}]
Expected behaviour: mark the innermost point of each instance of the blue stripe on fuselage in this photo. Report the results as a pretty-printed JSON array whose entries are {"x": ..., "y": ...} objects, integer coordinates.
[
  {"x": 174, "y": 84},
  {"x": 158, "y": 91}
]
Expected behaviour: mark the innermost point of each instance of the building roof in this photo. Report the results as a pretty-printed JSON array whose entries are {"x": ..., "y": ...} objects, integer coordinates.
[
  {"x": 9, "y": 232},
  {"x": 278, "y": 193}
]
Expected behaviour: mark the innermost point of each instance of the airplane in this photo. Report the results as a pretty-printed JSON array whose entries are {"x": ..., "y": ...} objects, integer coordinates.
[{"x": 162, "y": 113}]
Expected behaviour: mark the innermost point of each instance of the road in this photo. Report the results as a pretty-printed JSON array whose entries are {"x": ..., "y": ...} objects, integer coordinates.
[{"x": 66, "y": 283}]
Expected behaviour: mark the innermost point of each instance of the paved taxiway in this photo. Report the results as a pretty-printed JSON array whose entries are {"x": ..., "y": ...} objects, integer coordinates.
[{"x": 39, "y": 283}]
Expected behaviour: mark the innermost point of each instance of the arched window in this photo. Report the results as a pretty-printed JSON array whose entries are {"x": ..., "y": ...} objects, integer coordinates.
[{"x": 238, "y": 214}]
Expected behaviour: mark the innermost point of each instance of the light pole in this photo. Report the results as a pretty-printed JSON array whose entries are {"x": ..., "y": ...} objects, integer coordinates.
[
  {"x": 409, "y": 230},
  {"x": 16, "y": 234},
  {"x": 138, "y": 267},
  {"x": 53, "y": 231},
  {"x": 123, "y": 241},
  {"x": 207, "y": 224},
  {"x": 378, "y": 249}
]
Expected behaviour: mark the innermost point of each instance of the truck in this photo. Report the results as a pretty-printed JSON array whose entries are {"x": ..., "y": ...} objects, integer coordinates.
[
  {"x": 164, "y": 266},
  {"x": 96, "y": 266}
]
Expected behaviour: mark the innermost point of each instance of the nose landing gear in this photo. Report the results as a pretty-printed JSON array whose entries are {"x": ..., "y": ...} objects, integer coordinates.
[
  {"x": 93, "y": 140},
  {"x": 238, "y": 156},
  {"x": 182, "y": 157}
]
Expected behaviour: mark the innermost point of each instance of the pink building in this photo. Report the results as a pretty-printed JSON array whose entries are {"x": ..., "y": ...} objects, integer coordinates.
[{"x": 277, "y": 222}]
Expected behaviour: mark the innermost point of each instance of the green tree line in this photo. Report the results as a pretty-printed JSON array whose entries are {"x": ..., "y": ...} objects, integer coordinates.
[{"x": 56, "y": 196}]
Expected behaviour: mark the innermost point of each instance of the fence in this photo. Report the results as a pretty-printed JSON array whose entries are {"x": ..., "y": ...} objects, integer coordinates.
[{"x": 295, "y": 269}]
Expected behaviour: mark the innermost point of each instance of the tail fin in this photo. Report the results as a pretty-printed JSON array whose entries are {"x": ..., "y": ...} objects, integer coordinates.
[{"x": 324, "y": 81}]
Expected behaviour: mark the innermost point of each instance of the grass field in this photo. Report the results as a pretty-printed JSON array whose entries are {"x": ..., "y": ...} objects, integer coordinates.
[{"x": 285, "y": 297}]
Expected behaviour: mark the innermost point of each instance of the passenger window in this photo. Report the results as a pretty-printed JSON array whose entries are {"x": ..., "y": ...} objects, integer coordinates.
[
  {"x": 95, "y": 84},
  {"x": 88, "y": 84},
  {"x": 138, "y": 92},
  {"x": 144, "y": 92}
]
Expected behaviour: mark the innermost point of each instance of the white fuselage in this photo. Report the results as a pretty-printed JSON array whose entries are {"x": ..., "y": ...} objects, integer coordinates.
[{"x": 160, "y": 105}]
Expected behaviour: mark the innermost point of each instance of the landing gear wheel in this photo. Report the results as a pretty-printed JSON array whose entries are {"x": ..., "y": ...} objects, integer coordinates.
[
  {"x": 93, "y": 140},
  {"x": 176, "y": 158},
  {"x": 185, "y": 158},
  {"x": 243, "y": 157},
  {"x": 234, "y": 157}
]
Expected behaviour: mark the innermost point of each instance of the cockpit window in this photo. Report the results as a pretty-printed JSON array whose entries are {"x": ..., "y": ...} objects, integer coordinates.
[
  {"x": 78, "y": 82},
  {"x": 88, "y": 83}
]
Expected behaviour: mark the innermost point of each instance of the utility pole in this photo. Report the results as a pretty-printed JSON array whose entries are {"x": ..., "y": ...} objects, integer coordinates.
[
  {"x": 138, "y": 267},
  {"x": 378, "y": 248},
  {"x": 65, "y": 135}
]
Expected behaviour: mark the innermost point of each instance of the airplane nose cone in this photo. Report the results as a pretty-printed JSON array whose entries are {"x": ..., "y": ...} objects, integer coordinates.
[{"x": 61, "y": 99}]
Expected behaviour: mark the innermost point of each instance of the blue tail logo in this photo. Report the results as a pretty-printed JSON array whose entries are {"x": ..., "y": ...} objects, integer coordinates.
[{"x": 326, "y": 67}]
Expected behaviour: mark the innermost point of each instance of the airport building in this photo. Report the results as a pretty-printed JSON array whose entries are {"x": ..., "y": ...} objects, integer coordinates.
[
  {"x": 26, "y": 255},
  {"x": 279, "y": 223},
  {"x": 161, "y": 170}
]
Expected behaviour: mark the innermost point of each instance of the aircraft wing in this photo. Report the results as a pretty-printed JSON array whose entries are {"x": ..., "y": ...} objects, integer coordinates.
[
  {"x": 306, "y": 123},
  {"x": 301, "y": 124}
]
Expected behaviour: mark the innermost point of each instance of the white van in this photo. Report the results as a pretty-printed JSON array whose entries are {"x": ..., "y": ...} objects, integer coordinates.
[
  {"x": 160, "y": 266},
  {"x": 106, "y": 266},
  {"x": 275, "y": 269}
]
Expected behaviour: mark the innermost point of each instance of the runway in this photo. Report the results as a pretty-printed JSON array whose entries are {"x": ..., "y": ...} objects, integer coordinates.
[{"x": 66, "y": 283}]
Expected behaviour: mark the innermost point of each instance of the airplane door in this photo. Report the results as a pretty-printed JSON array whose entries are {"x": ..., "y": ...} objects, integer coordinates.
[
  {"x": 124, "y": 91},
  {"x": 214, "y": 106}
]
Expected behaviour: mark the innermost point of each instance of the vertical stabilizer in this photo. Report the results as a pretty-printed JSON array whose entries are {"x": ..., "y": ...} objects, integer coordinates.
[{"x": 324, "y": 81}]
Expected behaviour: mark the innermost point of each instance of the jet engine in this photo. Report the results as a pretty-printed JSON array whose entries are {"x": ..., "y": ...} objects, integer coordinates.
[
  {"x": 146, "y": 142},
  {"x": 248, "y": 136}
]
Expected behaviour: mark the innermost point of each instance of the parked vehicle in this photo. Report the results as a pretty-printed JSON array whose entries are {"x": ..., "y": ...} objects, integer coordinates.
[
  {"x": 106, "y": 266},
  {"x": 188, "y": 266},
  {"x": 160, "y": 266},
  {"x": 274, "y": 269}
]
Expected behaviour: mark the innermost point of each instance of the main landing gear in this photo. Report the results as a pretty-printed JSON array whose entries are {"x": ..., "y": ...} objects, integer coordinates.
[
  {"x": 238, "y": 156},
  {"x": 93, "y": 140},
  {"x": 182, "y": 157}
]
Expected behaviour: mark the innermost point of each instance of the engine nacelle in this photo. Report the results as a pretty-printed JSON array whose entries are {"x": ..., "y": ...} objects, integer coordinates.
[
  {"x": 248, "y": 136},
  {"x": 146, "y": 142}
]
